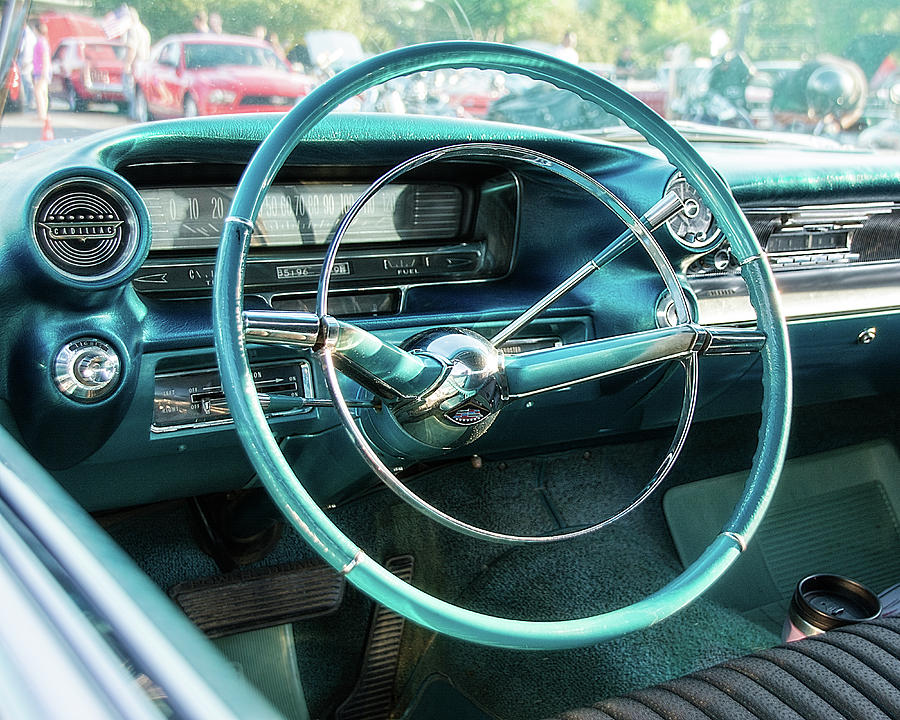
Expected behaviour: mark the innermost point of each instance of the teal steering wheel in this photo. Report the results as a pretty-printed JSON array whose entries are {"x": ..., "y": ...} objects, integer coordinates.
[{"x": 294, "y": 500}]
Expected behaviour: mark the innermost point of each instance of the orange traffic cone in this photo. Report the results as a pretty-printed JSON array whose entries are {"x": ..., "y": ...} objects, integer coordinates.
[{"x": 47, "y": 134}]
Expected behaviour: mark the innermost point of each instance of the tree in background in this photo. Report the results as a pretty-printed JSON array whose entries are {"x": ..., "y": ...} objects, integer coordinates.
[{"x": 769, "y": 29}]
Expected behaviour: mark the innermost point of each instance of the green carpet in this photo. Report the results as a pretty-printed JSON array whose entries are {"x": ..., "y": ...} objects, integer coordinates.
[
  {"x": 834, "y": 512},
  {"x": 621, "y": 564},
  {"x": 440, "y": 700}
]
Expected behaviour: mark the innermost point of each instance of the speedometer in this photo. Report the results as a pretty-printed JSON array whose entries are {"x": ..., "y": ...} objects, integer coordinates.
[
  {"x": 299, "y": 214},
  {"x": 694, "y": 227}
]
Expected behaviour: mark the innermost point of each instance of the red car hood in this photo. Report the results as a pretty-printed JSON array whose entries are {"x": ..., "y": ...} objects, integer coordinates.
[{"x": 252, "y": 80}]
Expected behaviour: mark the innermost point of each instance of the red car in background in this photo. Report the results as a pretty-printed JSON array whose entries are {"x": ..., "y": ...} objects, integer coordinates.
[
  {"x": 207, "y": 74},
  {"x": 62, "y": 25},
  {"x": 13, "y": 89},
  {"x": 88, "y": 70}
]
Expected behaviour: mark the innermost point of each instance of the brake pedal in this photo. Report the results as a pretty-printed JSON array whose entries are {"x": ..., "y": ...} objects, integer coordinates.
[
  {"x": 259, "y": 598},
  {"x": 373, "y": 696}
]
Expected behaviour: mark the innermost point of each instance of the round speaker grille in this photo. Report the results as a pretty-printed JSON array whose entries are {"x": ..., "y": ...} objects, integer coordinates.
[{"x": 86, "y": 228}]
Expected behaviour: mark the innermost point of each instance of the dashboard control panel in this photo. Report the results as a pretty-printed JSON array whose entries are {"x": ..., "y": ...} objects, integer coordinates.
[
  {"x": 363, "y": 268},
  {"x": 815, "y": 237},
  {"x": 429, "y": 230},
  {"x": 194, "y": 399}
]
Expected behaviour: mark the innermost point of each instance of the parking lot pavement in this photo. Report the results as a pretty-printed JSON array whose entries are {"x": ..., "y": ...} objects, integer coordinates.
[{"x": 24, "y": 127}]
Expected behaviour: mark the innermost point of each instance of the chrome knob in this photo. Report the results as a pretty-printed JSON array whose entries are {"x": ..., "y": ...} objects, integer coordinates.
[{"x": 87, "y": 369}]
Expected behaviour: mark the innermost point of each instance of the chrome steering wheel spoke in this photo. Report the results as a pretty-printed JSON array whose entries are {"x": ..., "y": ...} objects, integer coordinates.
[
  {"x": 378, "y": 366},
  {"x": 669, "y": 206},
  {"x": 553, "y": 368}
]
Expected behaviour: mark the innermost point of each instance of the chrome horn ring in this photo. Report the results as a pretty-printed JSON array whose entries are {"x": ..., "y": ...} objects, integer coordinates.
[{"x": 353, "y": 425}]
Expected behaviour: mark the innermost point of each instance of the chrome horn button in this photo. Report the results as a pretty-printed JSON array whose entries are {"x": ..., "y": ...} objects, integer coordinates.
[{"x": 465, "y": 401}]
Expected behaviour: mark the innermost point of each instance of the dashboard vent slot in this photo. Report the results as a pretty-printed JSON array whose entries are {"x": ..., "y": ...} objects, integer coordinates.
[
  {"x": 86, "y": 228},
  {"x": 879, "y": 238},
  {"x": 764, "y": 227}
]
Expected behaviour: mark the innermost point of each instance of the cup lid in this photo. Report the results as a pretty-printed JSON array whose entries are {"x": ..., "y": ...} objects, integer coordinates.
[{"x": 829, "y": 601}]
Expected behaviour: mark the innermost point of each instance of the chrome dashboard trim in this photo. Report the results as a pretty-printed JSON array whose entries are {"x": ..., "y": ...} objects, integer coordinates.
[
  {"x": 830, "y": 211},
  {"x": 724, "y": 300},
  {"x": 306, "y": 373}
]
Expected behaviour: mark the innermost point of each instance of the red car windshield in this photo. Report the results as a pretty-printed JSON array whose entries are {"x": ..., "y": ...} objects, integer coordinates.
[
  {"x": 205, "y": 55},
  {"x": 104, "y": 53}
]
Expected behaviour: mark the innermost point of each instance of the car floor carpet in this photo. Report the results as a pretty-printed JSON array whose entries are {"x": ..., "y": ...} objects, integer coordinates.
[{"x": 617, "y": 565}]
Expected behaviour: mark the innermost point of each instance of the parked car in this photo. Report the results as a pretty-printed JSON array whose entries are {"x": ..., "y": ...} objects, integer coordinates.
[
  {"x": 340, "y": 415},
  {"x": 62, "y": 25},
  {"x": 189, "y": 75},
  {"x": 87, "y": 70},
  {"x": 13, "y": 89}
]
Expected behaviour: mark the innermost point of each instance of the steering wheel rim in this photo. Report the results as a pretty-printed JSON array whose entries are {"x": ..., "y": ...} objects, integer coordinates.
[{"x": 296, "y": 503}]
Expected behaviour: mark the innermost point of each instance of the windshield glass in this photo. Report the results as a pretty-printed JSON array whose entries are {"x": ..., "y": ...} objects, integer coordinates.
[
  {"x": 204, "y": 55},
  {"x": 103, "y": 52},
  {"x": 803, "y": 72}
]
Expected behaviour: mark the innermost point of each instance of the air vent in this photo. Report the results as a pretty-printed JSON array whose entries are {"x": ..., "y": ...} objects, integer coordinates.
[{"x": 86, "y": 229}]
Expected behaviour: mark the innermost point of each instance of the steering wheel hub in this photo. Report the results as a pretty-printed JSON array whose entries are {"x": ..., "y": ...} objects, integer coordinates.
[{"x": 466, "y": 400}]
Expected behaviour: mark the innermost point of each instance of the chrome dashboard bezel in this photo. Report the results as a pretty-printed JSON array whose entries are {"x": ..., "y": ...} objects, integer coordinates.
[{"x": 137, "y": 238}]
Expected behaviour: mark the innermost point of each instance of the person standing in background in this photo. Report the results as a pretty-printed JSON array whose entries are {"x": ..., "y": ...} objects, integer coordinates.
[
  {"x": 200, "y": 22},
  {"x": 26, "y": 67},
  {"x": 137, "y": 42},
  {"x": 272, "y": 38},
  {"x": 41, "y": 72},
  {"x": 215, "y": 23},
  {"x": 625, "y": 65},
  {"x": 566, "y": 49}
]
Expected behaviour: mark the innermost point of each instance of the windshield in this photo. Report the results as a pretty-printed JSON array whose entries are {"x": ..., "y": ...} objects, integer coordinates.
[
  {"x": 206, "y": 55},
  {"x": 729, "y": 71},
  {"x": 103, "y": 52}
]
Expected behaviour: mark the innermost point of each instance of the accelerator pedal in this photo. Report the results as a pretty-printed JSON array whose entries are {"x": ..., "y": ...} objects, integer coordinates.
[
  {"x": 373, "y": 696},
  {"x": 259, "y": 598}
]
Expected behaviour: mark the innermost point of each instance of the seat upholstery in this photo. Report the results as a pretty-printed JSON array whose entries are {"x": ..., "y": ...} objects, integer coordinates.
[{"x": 850, "y": 673}]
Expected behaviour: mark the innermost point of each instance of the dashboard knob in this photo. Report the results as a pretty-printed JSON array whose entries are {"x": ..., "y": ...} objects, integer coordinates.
[{"x": 87, "y": 369}]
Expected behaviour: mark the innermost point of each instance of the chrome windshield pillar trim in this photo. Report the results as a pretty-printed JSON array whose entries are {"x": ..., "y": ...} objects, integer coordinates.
[
  {"x": 737, "y": 537},
  {"x": 752, "y": 258}
]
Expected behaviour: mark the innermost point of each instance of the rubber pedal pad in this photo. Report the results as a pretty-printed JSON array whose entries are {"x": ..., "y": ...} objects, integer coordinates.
[
  {"x": 259, "y": 598},
  {"x": 373, "y": 696}
]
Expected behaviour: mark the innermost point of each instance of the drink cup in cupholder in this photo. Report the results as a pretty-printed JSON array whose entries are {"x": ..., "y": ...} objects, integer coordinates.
[{"x": 824, "y": 602}]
